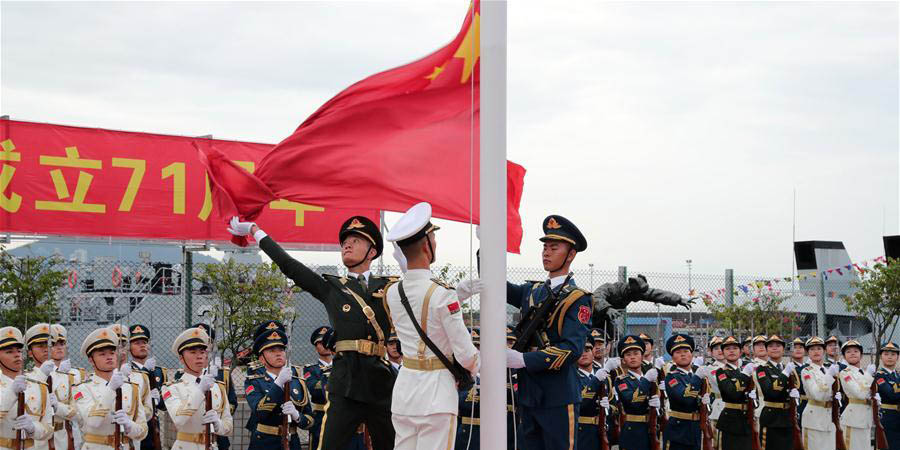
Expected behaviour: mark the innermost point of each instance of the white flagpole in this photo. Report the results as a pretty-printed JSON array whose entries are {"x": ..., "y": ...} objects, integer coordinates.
[{"x": 493, "y": 223}]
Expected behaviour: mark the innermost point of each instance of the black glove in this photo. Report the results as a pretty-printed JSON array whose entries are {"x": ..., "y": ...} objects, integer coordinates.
[{"x": 329, "y": 340}]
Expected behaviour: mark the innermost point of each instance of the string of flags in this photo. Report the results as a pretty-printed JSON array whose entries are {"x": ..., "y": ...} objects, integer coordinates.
[{"x": 770, "y": 285}]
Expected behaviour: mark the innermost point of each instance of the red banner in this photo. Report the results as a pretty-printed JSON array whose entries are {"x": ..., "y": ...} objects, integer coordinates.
[{"x": 63, "y": 180}]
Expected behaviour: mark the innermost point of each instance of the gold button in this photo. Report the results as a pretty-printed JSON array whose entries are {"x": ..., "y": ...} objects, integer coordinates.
[{"x": 346, "y": 308}]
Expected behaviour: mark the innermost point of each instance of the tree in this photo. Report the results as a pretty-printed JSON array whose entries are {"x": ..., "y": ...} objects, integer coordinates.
[
  {"x": 28, "y": 289},
  {"x": 878, "y": 299},
  {"x": 247, "y": 293},
  {"x": 760, "y": 314}
]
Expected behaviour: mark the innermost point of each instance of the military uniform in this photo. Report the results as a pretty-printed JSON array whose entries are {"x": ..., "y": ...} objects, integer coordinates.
[
  {"x": 818, "y": 430},
  {"x": 156, "y": 378},
  {"x": 888, "y": 382},
  {"x": 589, "y": 411},
  {"x": 856, "y": 420},
  {"x": 717, "y": 404},
  {"x": 798, "y": 367},
  {"x": 359, "y": 389},
  {"x": 137, "y": 377},
  {"x": 774, "y": 419},
  {"x": 548, "y": 384},
  {"x": 683, "y": 394},
  {"x": 435, "y": 307},
  {"x": 732, "y": 423},
  {"x": 36, "y": 406},
  {"x": 634, "y": 392},
  {"x": 186, "y": 401},
  {"x": 647, "y": 363},
  {"x": 265, "y": 399},
  {"x": 63, "y": 384},
  {"x": 95, "y": 401},
  {"x": 40, "y": 334}
]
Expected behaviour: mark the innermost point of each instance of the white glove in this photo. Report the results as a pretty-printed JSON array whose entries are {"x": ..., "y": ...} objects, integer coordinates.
[
  {"x": 121, "y": 418},
  {"x": 288, "y": 409},
  {"x": 65, "y": 366},
  {"x": 125, "y": 369},
  {"x": 794, "y": 393},
  {"x": 698, "y": 361},
  {"x": 601, "y": 374},
  {"x": 658, "y": 362},
  {"x": 53, "y": 401},
  {"x": 47, "y": 368},
  {"x": 705, "y": 399},
  {"x": 284, "y": 375},
  {"x": 651, "y": 375},
  {"x": 703, "y": 371},
  {"x": 833, "y": 370},
  {"x": 212, "y": 417},
  {"x": 116, "y": 380},
  {"x": 748, "y": 369},
  {"x": 604, "y": 402},
  {"x": 24, "y": 422},
  {"x": 514, "y": 359},
  {"x": 788, "y": 369},
  {"x": 400, "y": 257},
  {"x": 612, "y": 364},
  {"x": 870, "y": 370},
  {"x": 752, "y": 394},
  {"x": 837, "y": 397},
  {"x": 207, "y": 381},
  {"x": 878, "y": 399},
  {"x": 654, "y": 401},
  {"x": 154, "y": 394},
  {"x": 213, "y": 369},
  {"x": 239, "y": 228},
  {"x": 19, "y": 384},
  {"x": 150, "y": 363},
  {"x": 467, "y": 288},
  {"x": 662, "y": 386}
]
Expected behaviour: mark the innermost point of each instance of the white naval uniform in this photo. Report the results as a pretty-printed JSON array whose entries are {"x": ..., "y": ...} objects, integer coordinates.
[
  {"x": 95, "y": 402},
  {"x": 63, "y": 387},
  {"x": 856, "y": 420},
  {"x": 186, "y": 405},
  {"x": 818, "y": 430},
  {"x": 142, "y": 380},
  {"x": 425, "y": 403},
  {"x": 36, "y": 406}
]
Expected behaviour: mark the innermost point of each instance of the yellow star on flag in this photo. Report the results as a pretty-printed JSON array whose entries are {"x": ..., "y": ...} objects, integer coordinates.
[{"x": 469, "y": 49}]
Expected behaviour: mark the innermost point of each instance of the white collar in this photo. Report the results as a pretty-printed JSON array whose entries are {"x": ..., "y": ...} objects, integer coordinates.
[
  {"x": 686, "y": 371},
  {"x": 586, "y": 373},
  {"x": 324, "y": 363},
  {"x": 418, "y": 274},
  {"x": 273, "y": 375},
  {"x": 556, "y": 281},
  {"x": 636, "y": 375},
  {"x": 365, "y": 275},
  {"x": 139, "y": 365}
]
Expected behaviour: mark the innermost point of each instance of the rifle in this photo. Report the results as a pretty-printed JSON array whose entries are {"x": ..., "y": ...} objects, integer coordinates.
[
  {"x": 662, "y": 418},
  {"x": 20, "y": 398},
  {"x": 881, "y": 441},
  {"x": 705, "y": 426},
  {"x": 620, "y": 424},
  {"x": 652, "y": 419},
  {"x": 285, "y": 419},
  {"x": 792, "y": 411},
  {"x": 836, "y": 417},
  {"x": 528, "y": 329},
  {"x": 602, "y": 391},
  {"x": 51, "y": 443},
  {"x": 751, "y": 415}
]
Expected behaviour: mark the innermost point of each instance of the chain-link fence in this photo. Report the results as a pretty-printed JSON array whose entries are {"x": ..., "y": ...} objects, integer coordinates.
[{"x": 108, "y": 291}]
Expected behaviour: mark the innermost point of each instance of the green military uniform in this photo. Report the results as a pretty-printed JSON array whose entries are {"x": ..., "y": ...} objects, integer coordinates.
[
  {"x": 359, "y": 389},
  {"x": 732, "y": 424},
  {"x": 774, "y": 421}
]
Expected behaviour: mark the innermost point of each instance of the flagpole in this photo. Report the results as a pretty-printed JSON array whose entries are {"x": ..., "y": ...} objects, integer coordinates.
[{"x": 492, "y": 198}]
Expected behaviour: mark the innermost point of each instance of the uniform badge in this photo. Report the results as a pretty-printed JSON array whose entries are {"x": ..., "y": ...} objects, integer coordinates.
[
  {"x": 453, "y": 307},
  {"x": 296, "y": 392},
  {"x": 761, "y": 374},
  {"x": 623, "y": 386},
  {"x": 167, "y": 394},
  {"x": 673, "y": 382},
  {"x": 847, "y": 378},
  {"x": 77, "y": 395},
  {"x": 345, "y": 308},
  {"x": 249, "y": 389},
  {"x": 880, "y": 381},
  {"x": 306, "y": 375},
  {"x": 722, "y": 376},
  {"x": 806, "y": 376},
  {"x": 553, "y": 224},
  {"x": 584, "y": 314}
]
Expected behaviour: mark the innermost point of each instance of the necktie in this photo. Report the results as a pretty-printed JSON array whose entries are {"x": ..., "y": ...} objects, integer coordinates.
[{"x": 362, "y": 281}]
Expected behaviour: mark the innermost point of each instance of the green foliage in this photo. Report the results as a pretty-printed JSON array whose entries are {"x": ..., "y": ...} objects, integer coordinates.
[
  {"x": 28, "y": 289},
  {"x": 878, "y": 299},
  {"x": 762, "y": 313},
  {"x": 249, "y": 293}
]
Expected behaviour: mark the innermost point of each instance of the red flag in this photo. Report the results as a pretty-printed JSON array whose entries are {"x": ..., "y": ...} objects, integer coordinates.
[{"x": 403, "y": 136}]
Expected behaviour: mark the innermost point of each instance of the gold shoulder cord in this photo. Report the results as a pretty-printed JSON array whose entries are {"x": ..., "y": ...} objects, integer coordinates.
[
  {"x": 370, "y": 314},
  {"x": 424, "y": 320}
]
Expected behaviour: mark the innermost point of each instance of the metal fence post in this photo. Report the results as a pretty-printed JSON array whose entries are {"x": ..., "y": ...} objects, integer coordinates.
[
  {"x": 729, "y": 287},
  {"x": 820, "y": 313},
  {"x": 186, "y": 283}
]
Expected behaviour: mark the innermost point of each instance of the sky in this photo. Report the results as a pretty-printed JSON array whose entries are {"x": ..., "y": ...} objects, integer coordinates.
[{"x": 665, "y": 131}]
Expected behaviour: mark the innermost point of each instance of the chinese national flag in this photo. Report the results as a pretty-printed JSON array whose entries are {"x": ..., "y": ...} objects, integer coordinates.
[{"x": 403, "y": 136}]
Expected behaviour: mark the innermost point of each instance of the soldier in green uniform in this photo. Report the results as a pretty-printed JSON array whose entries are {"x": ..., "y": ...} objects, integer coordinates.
[
  {"x": 361, "y": 381},
  {"x": 732, "y": 381},
  {"x": 773, "y": 379}
]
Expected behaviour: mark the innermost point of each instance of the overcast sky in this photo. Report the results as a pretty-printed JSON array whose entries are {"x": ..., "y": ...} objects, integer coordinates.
[{"x": 666, "y": 131}]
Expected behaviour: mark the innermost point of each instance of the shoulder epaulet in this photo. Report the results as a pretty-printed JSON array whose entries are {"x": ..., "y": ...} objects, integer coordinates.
[
  {"x": 442, "y": 284},
  {"x": 36, "y": 381},
  {"x": 534, "y": 282},
  {"x": 220, "y": 382},
  {"x": 329, "y": 277},
  {"x": 170, "y": 382},
  {"x": 254, "y": 376},
  {"x": 388, "y": 278}
]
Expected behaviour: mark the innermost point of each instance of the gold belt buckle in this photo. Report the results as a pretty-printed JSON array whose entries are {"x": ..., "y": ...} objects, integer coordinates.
[
  {"x": 367, "y": 310},
  {"x": 365, "y": 347}
]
